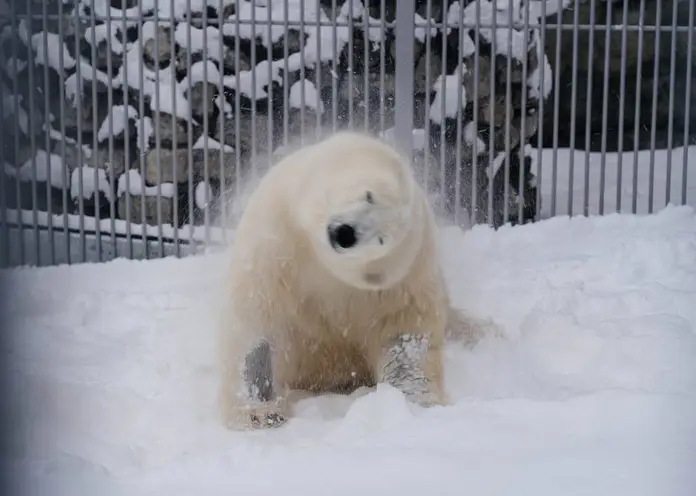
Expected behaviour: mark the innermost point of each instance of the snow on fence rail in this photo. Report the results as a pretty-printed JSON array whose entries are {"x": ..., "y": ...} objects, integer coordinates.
[{"x": 139, "y": 121}]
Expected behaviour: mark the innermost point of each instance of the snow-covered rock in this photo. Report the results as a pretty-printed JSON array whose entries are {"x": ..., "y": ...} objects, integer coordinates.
[{"x": 135, "y": 86}]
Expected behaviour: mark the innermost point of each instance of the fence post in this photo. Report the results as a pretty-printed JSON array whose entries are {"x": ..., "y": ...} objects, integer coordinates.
[{"x": 404, "y": 73}]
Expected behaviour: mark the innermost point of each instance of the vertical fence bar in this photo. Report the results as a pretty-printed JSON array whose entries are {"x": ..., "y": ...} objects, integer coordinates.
[
  {"x": 541, "y": 38},
  {"x": 158, "y": 136},
  {"x": 237, "y": 107},
  {"x": 687, "y": 114},
  {"x": 113, "y": 180},
  {"x": 636, "y": 118},
  {"x": 573, "y": 111},
  {"x": 442, "y": 111},
  {"x": 653, "y": 119},
  {"x": 670, "y": 118},
  {"x": 191, "y": 199},
  {"x": 128, "y": 205},
  {"x": 491, "y": 113},
  {"x": 221, "y": 210},
  {"x": 428, "y": 85},
  {"x": 95, "y": 127},
  {"x": 523, "y": 120},
  {"x": 141, "y": 131},
  {"x": 32, "y": 137},
  {"x": 17, "y": 130},
  {"x": 206, "y": 125},
  {"x": 351, "y": 37},
  {"x": 334, "y": 66},
  {"x": 556, "y": 109},
  {"x": 622, "y": 108},
  {"x": 5, "y": 257},
  {"x": 47, "y": 125},
  {"x": 459, "y": 115},
  {"x": 605, "y": 107},
  {"x": 286, "y": 74},
  {"x": 175, "y": 129},
  {"x": 318, "y": 68},
  {"x": 303, "y": 76},
  {"x": 475, "y": 213},
  {"x": 382, "y": 63},
  {"x": 80, "y": 150},
  {"x": 508, "y": 117},
  {"x": 588, "y": 112},
  {"x": 366, "y": 66},
  {"x": 254, "y": 147},
  {"x": 61, "y": 115},
  {"x": 403, "y": 104},
  {"x": 269, "y": 92}
]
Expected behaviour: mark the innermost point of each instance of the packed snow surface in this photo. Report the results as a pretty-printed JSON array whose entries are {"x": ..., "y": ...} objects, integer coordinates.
[{"x": 590, "y": 391}]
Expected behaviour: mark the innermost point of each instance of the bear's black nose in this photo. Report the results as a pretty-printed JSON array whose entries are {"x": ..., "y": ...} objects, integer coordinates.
[{"x": 342, "y": 236}]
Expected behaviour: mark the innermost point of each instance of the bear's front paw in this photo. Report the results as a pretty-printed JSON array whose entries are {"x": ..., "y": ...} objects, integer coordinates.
[
  {"x": 259, "y": 415},
  {"x": 411, "y": 366}
]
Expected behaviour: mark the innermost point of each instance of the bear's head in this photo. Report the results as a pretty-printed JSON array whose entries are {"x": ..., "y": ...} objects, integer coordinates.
[{"x": 360, "y": 208}]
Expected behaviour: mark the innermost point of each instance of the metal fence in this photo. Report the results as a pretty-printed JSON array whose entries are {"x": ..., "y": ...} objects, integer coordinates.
[{"x": 131, "y": 127}]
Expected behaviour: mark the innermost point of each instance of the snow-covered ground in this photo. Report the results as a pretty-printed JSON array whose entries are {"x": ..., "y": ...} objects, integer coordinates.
[{"x": 591, "y": 391}]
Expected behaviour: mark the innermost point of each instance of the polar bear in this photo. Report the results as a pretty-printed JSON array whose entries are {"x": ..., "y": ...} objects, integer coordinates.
[{"x": 333, "y": 283}]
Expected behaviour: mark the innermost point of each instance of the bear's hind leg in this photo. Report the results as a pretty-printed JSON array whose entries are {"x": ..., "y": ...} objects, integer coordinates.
[
  {"x": 414, "y": 366},
  {"x": 249, "y": 399}
]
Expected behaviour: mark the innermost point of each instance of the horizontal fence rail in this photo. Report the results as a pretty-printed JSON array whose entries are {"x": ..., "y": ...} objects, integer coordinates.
[{"x": 136, "y": 128}]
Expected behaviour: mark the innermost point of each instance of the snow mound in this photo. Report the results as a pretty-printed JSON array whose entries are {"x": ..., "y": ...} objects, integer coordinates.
[{"x": 591, "y": 390}]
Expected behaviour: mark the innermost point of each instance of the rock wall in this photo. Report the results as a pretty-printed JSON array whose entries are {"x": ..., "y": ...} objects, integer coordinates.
[
  {"x": 648, "y": 60},
  {"x": 122, "y": 108}
]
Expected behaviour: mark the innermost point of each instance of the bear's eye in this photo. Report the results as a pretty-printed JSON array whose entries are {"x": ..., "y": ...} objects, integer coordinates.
[{"x": 369, "y": 198}]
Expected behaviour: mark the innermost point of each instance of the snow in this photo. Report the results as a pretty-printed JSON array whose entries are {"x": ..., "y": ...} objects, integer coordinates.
[
  {"x": 590, "y": 390},
  {"x": 135, "y": 185},
  {"x": 541, "y": 74},
  {"x": 451, "y": 87},
  {"x": 145, "y": 129},
  {"x": 198, "y": 40},
  {"x": 92, "y": 180},
  {"x": 203, "y": 194},
  {"x": 115, "y": 121},
  {"x": 45, "y": 167},
  {"x": 208, "y": 143},
  {"x": 471, "y": 135},
  {"x": 423, "y": 28},
  {"x": 305, "y": 89},
  {"x": 575, "y": 195},
  {"x": 511, "y": 43}
]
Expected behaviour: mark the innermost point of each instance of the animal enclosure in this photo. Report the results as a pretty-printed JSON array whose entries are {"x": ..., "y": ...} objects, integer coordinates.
[{"x": 129, "y": 127}]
